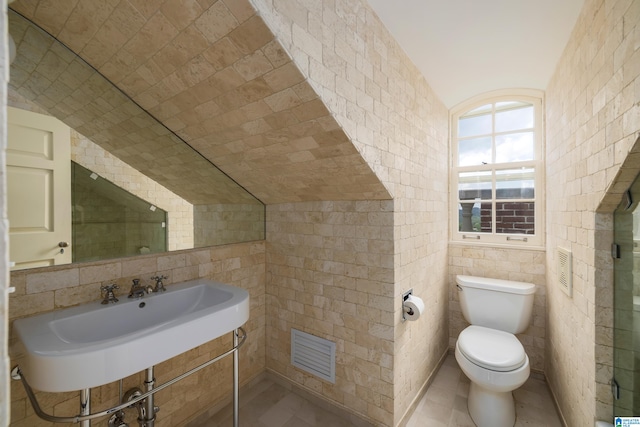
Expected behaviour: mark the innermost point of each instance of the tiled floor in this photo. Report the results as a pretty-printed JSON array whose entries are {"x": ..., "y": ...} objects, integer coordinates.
[
  {"x": 268, "y": 404},
  {"x": 445, "y": 402}
]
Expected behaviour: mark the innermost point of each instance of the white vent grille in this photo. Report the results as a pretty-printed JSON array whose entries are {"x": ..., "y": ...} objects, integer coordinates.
[
  {"x": 564, "y": 271},
  {"x": 314, "y": 355}
]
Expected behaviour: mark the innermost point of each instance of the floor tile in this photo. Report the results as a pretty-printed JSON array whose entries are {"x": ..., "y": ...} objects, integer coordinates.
[{"x": 268, "y": 404}]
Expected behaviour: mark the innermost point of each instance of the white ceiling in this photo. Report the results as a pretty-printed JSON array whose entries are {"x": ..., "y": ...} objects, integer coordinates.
[{"x": 468, "y": 47}]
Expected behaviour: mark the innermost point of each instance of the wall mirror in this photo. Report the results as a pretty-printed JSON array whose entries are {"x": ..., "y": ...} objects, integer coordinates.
[{"x": 113, "y": 138}]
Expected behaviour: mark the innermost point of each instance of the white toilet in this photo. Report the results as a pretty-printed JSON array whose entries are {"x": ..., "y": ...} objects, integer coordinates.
[{"x": 487, "y": 351}]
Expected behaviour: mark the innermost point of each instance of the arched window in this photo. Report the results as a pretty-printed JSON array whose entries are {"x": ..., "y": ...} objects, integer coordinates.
[{"x": 497, "y": 175}]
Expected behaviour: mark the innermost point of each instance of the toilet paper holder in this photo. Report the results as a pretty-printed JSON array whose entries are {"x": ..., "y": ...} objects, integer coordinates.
[
  {"x": 412, "y": 306},
  {"x": 405, "y": 309}
]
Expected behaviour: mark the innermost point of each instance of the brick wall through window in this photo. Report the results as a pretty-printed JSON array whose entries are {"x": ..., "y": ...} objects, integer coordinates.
[{"x": 511, "y": 217}]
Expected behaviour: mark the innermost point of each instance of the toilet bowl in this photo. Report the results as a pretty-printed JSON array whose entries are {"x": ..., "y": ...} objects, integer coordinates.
[
  {"x": 487, "y": 351},
  {"x": 496, "y": 364}
]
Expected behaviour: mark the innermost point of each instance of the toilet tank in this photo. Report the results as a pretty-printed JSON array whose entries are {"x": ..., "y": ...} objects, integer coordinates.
[{"x": 505, "y": 305}]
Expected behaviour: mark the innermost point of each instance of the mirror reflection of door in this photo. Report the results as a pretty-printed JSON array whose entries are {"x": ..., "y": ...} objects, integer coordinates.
[{"x": 38, "y": 190}]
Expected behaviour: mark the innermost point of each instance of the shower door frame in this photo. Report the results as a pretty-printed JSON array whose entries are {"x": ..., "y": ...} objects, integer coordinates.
[{"x": 626, "y": 314}]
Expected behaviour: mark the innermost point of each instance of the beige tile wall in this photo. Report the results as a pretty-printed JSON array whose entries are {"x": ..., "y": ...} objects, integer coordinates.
[
  {"x": 593, "y": 118},
  {"x": 42, "y": 290},
  {"x": 70, "y": 90},
  {"x": 265, "y": 125},
  {"x": 398, "y": 125},
  {"x": 330, "y": 269},
  {"x": 213, "y": 73},
  {"x": 222, "y": 224},
  {"x": 509, "y": 264}
]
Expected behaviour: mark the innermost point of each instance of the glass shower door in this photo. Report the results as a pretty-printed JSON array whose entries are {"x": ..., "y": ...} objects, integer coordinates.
[
  {"x": 627, "y": 304},
  {"x": 109, "y": 222}
]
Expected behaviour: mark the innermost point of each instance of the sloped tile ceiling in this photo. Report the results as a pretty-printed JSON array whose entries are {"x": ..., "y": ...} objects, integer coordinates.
[{"x": 212, "y": 72}]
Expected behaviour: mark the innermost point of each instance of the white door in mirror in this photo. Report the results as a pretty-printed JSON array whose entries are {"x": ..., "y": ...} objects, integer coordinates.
[{"x": 38, "y": 189}]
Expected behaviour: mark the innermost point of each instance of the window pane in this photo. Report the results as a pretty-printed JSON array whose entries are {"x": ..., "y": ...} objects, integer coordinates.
[
  {"x": 515, "y": 183},
  {"x": 515, "y": 217},
  {"x": 487, "y": 108},
  {"x": 475, "y": 122},
  {"x": 513, "y": 116},
  {"x": 474, "y": 185},
  {"x": 515, "y": 147},
  {"x": 474, "y": 217},
  {"x": 474, "y": 151}
]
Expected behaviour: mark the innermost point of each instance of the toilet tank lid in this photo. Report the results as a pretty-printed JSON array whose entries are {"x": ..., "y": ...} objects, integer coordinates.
[{"x": 509, "y": 286}]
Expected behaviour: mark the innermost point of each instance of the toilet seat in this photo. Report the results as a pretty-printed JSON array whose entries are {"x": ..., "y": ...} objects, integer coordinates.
[{"x": 491, "y": 349}]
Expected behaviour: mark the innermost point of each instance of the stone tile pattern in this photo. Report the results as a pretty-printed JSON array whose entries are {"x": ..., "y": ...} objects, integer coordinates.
[
  {"x": 271, "y": 401},
  {"x": 267, "y": 128},
  {"x": 221, "y": 224},
  {"x": 213, "y": 73},
  {"x": 399, "y": 126},
  {"x": 330, "y": 273},
  {"x": 593, "y": 118},
  {"x": 508, "y": 264},
  {"x": 70, "y": 90},
  {"x": 46, "y": 289}
]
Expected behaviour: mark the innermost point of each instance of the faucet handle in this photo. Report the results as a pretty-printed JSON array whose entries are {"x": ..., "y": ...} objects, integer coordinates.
[
  {"x": 159, "y": 285},
  {"x": 108, "y": 296},
  {"x": 109, "y": 288}
]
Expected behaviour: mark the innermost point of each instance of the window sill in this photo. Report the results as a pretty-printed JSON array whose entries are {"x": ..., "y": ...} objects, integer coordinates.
[{"x": 497, "y": 245}]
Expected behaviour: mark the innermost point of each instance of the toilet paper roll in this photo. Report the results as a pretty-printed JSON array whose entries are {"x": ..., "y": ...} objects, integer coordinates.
[{"x": 413, "y": 307}]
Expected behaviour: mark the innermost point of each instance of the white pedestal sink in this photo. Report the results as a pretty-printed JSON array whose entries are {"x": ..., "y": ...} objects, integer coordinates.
[{"x": 94, "y": 344}]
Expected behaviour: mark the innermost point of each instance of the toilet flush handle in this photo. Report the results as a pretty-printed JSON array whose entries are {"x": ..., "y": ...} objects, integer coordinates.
[{"x": 459, "y": 288}]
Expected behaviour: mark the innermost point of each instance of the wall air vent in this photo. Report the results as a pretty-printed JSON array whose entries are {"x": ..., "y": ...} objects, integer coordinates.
[
  {"x": 314, "y": 355},
  {"x": 565, "y": 278}
]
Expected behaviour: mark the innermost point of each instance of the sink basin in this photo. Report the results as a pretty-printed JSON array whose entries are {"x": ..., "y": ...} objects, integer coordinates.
[{"x": 95, "y": 344}]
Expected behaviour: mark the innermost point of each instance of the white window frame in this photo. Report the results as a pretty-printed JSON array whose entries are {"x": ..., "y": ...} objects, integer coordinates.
[{"x": 536, "y": 98}]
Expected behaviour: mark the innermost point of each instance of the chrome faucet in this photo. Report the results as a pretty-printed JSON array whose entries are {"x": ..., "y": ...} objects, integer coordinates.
[
  {"x": 108, "y": 294},
  {"x": 137, "y": 290},
  {"x": 159, "y": 285}
]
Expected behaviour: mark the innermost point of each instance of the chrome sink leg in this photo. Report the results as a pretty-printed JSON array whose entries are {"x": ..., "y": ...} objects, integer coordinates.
[
  {"x": 85, "y": 406},
  {"x": 236, "y": 395},
  {"x": 149, "y": 410},
  {"x": 136, "y": 398}
]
